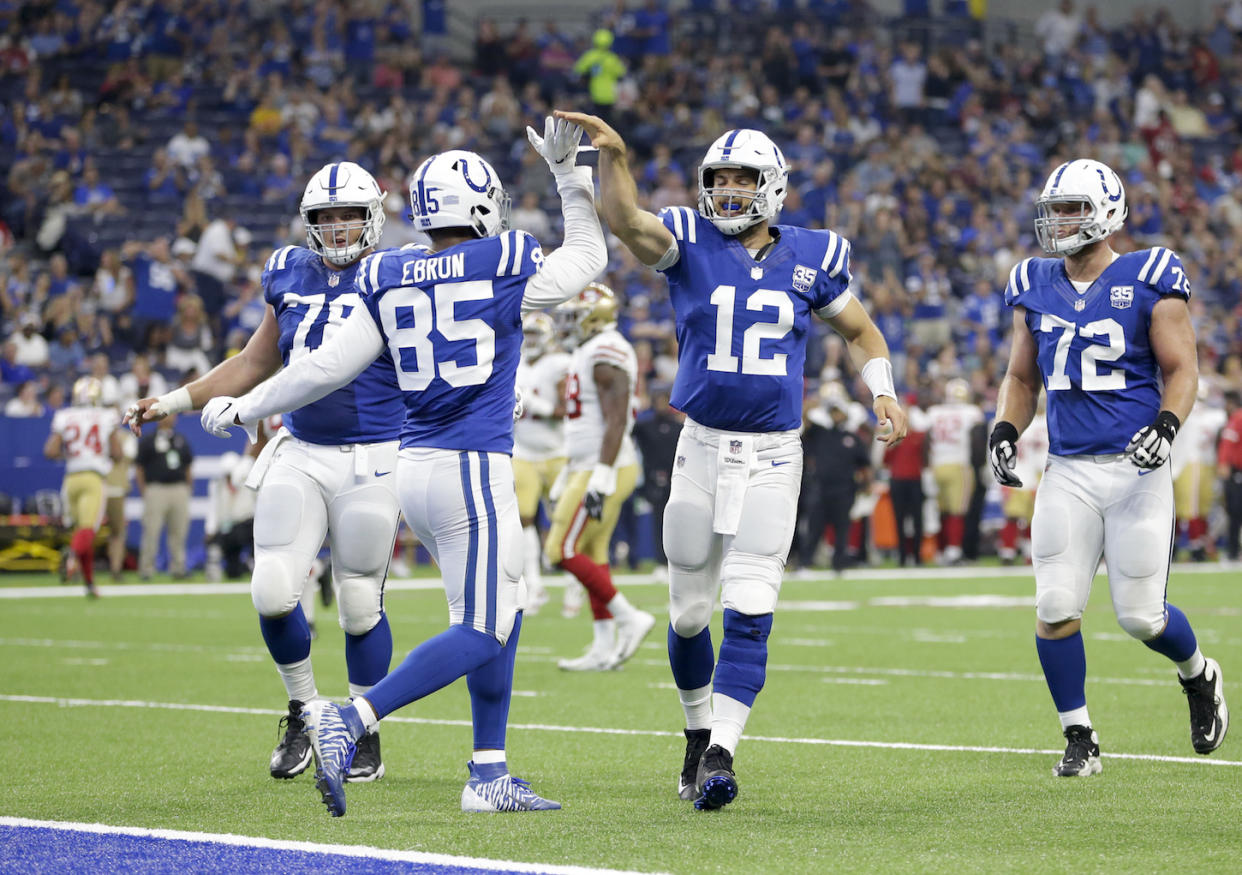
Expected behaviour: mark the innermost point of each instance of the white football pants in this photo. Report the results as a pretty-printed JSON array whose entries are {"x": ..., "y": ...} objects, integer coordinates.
[
  {"x": 310, "y": 490},
  {"x": 463, "y": 507},
  {"x": 745, "y": 567},
  {"x": 1088, "y": 506}
]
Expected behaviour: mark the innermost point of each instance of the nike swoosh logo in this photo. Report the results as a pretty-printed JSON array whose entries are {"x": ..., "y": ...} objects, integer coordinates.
[
  {"x": 778, "y": 464},
  {"x": 1143, "y": 472},
  {"x": 382, "y": 473},
  {"x": 1210, "y": 736}
]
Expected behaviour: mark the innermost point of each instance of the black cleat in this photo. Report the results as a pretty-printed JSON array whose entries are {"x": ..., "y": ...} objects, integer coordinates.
[
  {"x": 1082, "y": 753},
  {"x": 716, "y": 782},
  {"x": 367, "y": 765},
  {"x": 697, "y": 741},
  {"x": 1209, "y": 717},
  {"x": 293, "y": 754}
]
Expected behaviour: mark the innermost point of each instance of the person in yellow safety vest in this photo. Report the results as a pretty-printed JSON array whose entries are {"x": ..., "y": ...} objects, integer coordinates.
[{"x": 603, "y": 68}]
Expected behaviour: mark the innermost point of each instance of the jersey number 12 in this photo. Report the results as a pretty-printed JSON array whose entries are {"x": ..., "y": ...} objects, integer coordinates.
[{"x": 723, "y": 359}]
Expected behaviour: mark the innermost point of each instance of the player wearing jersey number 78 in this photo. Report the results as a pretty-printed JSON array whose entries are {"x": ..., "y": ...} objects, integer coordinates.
[
  {"x": 451, "y": 318},
  {"x": 743, "y": 290},
  {"x": 1108, "y": 337}
]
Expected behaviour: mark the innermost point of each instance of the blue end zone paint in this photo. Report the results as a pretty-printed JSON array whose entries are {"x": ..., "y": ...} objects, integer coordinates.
[{"x": 41, "y": 849}]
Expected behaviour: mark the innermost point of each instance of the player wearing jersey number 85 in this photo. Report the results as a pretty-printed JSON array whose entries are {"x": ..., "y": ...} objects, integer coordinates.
[
  {"x": 453, "y": 343},
  {"x": 1108, "y": 338},
  {"x": 320, "y": 474},
  {"x": 743, "y": 290}
]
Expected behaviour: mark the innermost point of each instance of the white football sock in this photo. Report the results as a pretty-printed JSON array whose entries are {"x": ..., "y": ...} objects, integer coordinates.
[
  {"x": 605, "y": 635},
  {"x": 697, "y": 705},
  {"x": 299, "y": 680},
  {"x": 620, "y": 606},
  {"x": 1192, "y": 667},
  {"x": 487, "y": 757},
  {"x": 1077, "y": 717},
  {"x": 728, "y": 720},
  {"x": 367, "y": 712}
]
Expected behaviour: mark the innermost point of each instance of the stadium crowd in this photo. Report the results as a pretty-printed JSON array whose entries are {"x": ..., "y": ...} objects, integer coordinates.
[{"x": 152, "y": 155}]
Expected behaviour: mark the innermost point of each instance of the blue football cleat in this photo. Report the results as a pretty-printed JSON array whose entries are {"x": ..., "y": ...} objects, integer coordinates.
[
  {"x": 504, "y": 793},
  {"x": 334, "y": 752},
  {"x": 716, "y": 781}
]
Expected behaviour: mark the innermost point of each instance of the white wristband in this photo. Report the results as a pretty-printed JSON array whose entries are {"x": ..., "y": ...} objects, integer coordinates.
[
  {"x": 176, "y": 401},
  {"x": 878, "y": 375}
]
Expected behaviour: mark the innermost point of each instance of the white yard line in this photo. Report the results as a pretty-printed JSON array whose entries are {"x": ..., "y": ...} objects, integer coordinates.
[
  {"x": 601, "y": 730},
  {"x": 360, "y": 851}
]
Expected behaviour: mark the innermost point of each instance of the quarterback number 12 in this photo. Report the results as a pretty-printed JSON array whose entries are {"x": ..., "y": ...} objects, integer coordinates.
[{"x": 723, "y": 359}]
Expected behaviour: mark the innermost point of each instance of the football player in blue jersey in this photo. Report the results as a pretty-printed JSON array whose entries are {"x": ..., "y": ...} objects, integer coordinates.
[
  {"x": 450, "y": 319},
  {"x": 1109, "y": 338},
  {"x": 328, "y": 471},
  {"x": 743, "y": 290}
]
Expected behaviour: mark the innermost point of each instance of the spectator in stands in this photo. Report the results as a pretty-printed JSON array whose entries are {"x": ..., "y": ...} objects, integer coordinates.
[
  {"x": 12, "y": 372},
  {"x": 191, "y": 338},
  {"x": 26, "y": 402},
  {"x": 32, "y": 347},
  {"x": 187, "y": 145},
  {"x": 164, "y": 479},
  {"x": 109, "y": 386},
  {"x": 113, "y": 290},
  {"x": 165, "y": 180},
  {"x": 603, "y": 68},
  {"x": 67, "y": 354},
  {"x": 140, "y": 382},
  {"x": 96, "y": 198}
]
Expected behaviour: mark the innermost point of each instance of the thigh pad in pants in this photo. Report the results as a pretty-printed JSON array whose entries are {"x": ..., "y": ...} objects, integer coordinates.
[
  {"x": 290, "y": 521},
  {"x": 363, "y": 526}
]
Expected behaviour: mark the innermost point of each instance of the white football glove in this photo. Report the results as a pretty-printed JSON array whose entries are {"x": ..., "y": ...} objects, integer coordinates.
[
  {"x": 602, "y": 484},
  {"x": 1003, "y": 453},
  {"x": 558, "y": 145},
  {"x": 518, "y": 406},
  {"x": 1151, "y": 444},
  {"x": 220, "y": 415}
]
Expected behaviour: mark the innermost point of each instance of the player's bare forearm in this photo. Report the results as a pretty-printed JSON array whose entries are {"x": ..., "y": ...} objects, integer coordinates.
[
  {"x": 258, "y": 360},
  {"x": 1019, "y": 390},
  {"x": 642, "y": 232},
  {"x": 1173, "y": 342},
  {"x": 613, "y": 386}
]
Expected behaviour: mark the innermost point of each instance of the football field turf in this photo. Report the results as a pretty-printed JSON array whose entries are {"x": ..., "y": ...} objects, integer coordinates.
[{"x": 905, "y": 726}]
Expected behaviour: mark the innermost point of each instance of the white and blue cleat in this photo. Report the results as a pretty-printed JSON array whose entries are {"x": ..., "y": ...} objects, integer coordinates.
[
  {"x": 334, "y": 749},
  {"x": 501, "y": 793}
]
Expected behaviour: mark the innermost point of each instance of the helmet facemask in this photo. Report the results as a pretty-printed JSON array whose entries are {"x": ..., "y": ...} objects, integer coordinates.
[
  {"x": 321, "y": 236},
  {"x": 743, "y": 150}
]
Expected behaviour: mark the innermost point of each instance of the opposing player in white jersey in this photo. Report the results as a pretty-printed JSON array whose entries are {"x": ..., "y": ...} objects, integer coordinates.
[
  {"x": 85, "y": 435},
  {"x": 1194, "y": 469},
  {"x": 1018, "y": 502},
  {"x": 951, "y": 423},
  {"x": 743, "y": 291},
  {"x": 600, "y": 475},
  {"x": 328, "y": 470},
  {"x": 451, "y": 317},
  {"x": 1110, "y": 339},
  {"x": 538, "y": 440}
]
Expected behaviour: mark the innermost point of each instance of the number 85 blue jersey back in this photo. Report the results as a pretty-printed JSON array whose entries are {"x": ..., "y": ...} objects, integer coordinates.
[{"x": 452, "y": 323}]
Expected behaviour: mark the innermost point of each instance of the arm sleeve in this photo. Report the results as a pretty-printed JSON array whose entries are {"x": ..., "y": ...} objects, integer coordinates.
[
  {"x": 313, "y": 376},
  {"x": 581, "y": 257}
]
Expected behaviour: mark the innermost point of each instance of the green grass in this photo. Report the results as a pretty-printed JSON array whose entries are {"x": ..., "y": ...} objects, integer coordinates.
[{"x": 878, "y": 672}]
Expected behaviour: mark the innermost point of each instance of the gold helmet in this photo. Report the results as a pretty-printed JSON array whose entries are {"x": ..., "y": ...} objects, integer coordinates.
[
  {"x": 87, "y": 392},
  {"x": 591, "y": 311},
  {"x": 957, "y": 390},
  {"x": 538, "y": 333}
]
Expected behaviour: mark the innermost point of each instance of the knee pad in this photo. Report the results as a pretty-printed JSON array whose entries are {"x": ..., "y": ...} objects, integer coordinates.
[
  {"x": 688, "y": 533},
  {"x": 1057, "y": 604},
  {"x": 362, "y": 541},
  {"x": 1144, "y": 625},
  {"x": 359, "y": 602},
  {"x": 275, "y": 587},
  {"x": 690, "y": 608},
  {"x": 750, "y": 583}
]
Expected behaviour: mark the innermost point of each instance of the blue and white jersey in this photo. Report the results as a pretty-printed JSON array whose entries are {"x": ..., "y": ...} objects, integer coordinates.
[
  {"x": 742, "y": 326},
  {"x": 1095, "y": 354},
  {"x": 311, "y": 302},
  {"x": 452, "y": 322}
]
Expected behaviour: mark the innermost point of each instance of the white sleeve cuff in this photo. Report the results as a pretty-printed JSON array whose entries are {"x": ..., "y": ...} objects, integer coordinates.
[{"x": 878, "y": 375}]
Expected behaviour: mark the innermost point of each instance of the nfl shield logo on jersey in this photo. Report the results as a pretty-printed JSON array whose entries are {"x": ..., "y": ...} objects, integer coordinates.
[
  {"x": 735, "y": 446},
  {"x": 334, "y": 279},
  {"x": 1121, "y": 297},
  {"x": 803, "y": 277}
]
